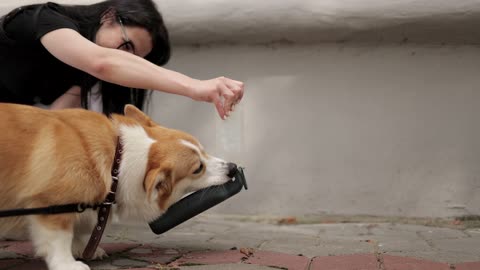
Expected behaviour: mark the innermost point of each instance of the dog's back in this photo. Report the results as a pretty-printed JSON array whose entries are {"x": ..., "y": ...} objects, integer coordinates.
[{"x": 35, "y": 142}]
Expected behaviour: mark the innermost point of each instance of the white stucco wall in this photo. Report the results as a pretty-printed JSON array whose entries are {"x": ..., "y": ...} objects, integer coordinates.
[
  {"x": 390, "y": 130},
  {"x": 351, "y": 107}
]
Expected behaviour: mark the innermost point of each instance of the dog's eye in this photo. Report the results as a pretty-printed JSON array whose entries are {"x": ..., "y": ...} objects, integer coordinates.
[{"x": 199, "y": 170}]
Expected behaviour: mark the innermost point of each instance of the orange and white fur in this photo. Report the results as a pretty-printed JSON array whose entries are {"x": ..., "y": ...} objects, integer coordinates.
[{"x": 60, "y": 157}]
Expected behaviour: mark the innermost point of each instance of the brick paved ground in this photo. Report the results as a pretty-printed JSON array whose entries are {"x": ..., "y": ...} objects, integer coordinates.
[{"x": 215, "y": 242}]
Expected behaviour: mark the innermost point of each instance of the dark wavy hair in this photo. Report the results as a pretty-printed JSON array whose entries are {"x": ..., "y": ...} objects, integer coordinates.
[{"x": 140, "y": 13}]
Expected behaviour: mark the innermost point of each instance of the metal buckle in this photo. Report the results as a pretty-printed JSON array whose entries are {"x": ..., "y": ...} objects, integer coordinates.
[
  {"x": 109, "y": 203},
  {"x": 81, "y": 208}
]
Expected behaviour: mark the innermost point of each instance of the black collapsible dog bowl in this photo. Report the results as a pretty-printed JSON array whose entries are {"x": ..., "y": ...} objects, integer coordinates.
[{"x": 198, "y": 202}]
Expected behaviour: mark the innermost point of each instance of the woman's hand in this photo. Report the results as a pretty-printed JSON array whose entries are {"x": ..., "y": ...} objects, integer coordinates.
[{"x": 225, "y": 93}]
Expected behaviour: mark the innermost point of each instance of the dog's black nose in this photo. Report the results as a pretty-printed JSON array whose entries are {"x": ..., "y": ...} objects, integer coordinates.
[{"x": 232, "y": 169}]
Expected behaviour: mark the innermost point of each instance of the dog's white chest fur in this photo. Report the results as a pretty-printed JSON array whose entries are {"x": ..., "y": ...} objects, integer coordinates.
[{"x": 131, "y": 197}]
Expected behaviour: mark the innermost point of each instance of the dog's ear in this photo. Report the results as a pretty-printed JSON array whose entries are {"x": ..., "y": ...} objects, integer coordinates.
[
  {"x": 133, "y": 112},
  {"x": 153, "y": 176},
  {"x": 158, "y": 183}
]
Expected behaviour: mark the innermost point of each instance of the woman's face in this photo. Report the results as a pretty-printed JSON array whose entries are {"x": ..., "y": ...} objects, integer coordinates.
[{"x": 116, "y": 35}]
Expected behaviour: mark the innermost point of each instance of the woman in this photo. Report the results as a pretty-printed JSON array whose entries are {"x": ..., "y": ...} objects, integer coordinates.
[{"x": 56, "y": 54}]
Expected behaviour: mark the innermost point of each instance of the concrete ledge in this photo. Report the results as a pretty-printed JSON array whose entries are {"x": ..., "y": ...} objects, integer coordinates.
[
  {"x": 250, "y": 21},
  {"x": 308, "y": 21}
]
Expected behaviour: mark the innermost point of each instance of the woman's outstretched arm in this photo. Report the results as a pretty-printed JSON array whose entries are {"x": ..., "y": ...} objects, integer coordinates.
[{"x": 126, "y": 69}]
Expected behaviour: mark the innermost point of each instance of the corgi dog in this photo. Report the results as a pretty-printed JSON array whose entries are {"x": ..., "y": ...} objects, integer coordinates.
[{"x": 63, "y": 157}]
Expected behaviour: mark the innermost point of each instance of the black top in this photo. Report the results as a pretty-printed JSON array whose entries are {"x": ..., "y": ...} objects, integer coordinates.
[{"x": 28, "y": 72}]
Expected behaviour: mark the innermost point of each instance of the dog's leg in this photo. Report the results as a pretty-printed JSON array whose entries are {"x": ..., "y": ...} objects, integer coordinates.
[
  {"x": 79, "y": 244},
  {"x": 83, "y": 229},
  {"x": 52, "y": 238}
]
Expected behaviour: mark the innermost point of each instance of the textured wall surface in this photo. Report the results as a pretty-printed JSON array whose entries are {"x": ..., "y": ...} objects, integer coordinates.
[{"x": 390, "y": 130}]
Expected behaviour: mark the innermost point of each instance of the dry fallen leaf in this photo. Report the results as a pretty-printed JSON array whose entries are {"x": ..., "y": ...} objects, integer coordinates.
[
  {"x": 457, "y": 222},
  {"x": 288, "y": 221},
  {"x": 247, "y": 251}
]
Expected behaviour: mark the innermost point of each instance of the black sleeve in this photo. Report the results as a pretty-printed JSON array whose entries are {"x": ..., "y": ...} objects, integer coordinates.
[{"x": 30, "y": 24}]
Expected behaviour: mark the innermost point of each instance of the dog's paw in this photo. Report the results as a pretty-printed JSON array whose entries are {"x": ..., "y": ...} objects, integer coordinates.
[
  {"x": 77, "y": 250},
  {"x": 71, "y": 266},
  {"x": 99, "y": 254}
]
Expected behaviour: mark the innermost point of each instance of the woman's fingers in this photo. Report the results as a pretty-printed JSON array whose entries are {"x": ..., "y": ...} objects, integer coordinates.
[
  {"x": 228, "y": 98},
  {"x": 225, "y": 93},
  {"x": 236, "y": 90},
  {"x": 237, "y": 87}
]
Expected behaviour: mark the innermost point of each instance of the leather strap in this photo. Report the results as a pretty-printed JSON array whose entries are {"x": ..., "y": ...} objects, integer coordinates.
[
  {"x": 105, "y": 207},
  {"x": 50, "y": 210}
]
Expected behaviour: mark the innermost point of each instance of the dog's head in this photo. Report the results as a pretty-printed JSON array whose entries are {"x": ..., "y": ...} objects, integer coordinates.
[{"x": 161, "y": 165}]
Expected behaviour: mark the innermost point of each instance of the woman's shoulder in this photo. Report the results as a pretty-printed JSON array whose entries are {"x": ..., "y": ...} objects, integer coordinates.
[{"x": 30, "y": 23}]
